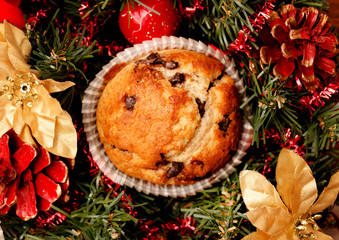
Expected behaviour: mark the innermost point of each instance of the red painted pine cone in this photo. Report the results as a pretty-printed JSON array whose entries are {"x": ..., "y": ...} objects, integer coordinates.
[
  {"x": 300, "y": 43},
  {"x": 30, "y": 180}
]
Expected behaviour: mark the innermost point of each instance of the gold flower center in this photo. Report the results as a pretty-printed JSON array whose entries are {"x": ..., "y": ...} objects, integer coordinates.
[
  {"x": 302, "y": 224},
  {"x": 22, "y": 89}
]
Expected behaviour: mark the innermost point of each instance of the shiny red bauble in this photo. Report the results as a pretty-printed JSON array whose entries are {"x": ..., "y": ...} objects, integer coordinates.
[
  {"x": 10, "y": 11},
  {"x": 140, "y": 23}
]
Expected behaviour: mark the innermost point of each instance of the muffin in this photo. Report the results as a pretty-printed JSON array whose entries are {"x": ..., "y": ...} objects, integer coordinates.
[{"x": 170, "y": 117}]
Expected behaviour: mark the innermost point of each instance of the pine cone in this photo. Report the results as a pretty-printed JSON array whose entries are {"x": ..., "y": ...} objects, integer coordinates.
[
  {"x": 30, "y": 180},
  {"x": 300, "y": 43}
]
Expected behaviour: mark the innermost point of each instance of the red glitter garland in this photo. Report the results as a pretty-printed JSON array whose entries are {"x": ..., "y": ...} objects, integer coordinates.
[
  {"x": 184, "y": 226},
  {"x": 317, "y": 98},
  {"x": 289, "y": 141},
  {"x": 192, "y": 11},
  {"x": 257, "y": 20},
  {"x": 92, "y": 29}
]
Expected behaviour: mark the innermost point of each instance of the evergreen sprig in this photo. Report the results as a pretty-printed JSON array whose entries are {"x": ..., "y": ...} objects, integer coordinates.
[
  {"x": 223, "y": 19},
  {"x": 271, "y": 104},
  {"x": 219, "y": 211},
  {"x": 100, "y": 216},
  {"x": 322, "y": 129},
  {"x": 60, "y": 58}
]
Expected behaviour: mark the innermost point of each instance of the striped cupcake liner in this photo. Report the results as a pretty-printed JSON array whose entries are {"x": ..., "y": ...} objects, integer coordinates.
[{"x": 94, "y": 91}]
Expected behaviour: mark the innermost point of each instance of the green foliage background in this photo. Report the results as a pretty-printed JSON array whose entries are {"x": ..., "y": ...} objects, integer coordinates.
[{"x": 102, "y": 214}]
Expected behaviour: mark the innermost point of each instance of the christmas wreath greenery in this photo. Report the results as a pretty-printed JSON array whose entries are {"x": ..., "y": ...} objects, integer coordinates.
[{"x": 285, "y": 52}]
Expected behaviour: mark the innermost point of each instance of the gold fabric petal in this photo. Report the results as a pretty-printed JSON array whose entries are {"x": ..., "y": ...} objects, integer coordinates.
[
  {"x": 258, "y": 192},
  {"x": 45, "y": 104},
  {"x": 65, "y": 137},
  {"x": 7, "y": 111},
  {"x": 318, "y": 235},
  {"x": 21, "y": 128},
  {"x": 288, "y": 233},
  {"x": 259, "y": 235},
  {"x": 321, "y": 235},
  {"x": 295, "y": 182},
  {"x": 6, "y": 67},
  {"x": 41, "y": 117},
  {"x": 271, "y": 220},
  {"x": 2, "y": 37},
  {"x": 328, "y": 196},
  {"x": 19, "y": 47},
  {"x": 53, "y": 86}
]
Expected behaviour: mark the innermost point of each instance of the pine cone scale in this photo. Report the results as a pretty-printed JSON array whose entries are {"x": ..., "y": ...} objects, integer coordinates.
[
  {"x": 305, "y": 42},
  {"x": 20, "y": 166}
]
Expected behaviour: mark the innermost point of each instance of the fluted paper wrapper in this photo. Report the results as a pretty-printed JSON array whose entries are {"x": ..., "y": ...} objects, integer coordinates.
[{"x": 94, "y": 91}]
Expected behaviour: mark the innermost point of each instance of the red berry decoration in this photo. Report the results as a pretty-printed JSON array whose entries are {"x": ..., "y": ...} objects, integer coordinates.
[
  {"x": 30, "y": 180},
  {"x": 139, "y": 23},
  {"x": 10, "y": 11}
]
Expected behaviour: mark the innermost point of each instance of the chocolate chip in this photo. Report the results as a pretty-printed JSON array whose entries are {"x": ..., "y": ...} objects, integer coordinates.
[
  {"x": 162, "y": 156},
  {"x": 177, "y": 78},
  {"x": 175, "y": 169},
  {"x": 201, "y": 106},
  {"x": 153, "y": 58},
  {"x": 223, "y": 125},
  {"x": 130, "y": 102},
  {"x": 170, "y": 64}
]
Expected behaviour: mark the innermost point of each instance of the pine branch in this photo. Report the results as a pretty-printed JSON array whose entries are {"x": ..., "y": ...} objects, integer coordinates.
[
  {"x": 60, "y": 58},
  {"x": 220, "y": 212},
  {"x": 101, "y": 214},
  {"x": 223, "y": 19},
  {"x": 272, "y": 105},
  {"x": 322, "y": 130}
]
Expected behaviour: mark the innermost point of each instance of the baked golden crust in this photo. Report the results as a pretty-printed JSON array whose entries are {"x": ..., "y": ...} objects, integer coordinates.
[{"x": 170, "y": 117}]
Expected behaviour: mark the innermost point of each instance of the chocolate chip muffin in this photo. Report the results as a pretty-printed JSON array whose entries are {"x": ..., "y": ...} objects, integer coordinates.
[{"x": 170, "y": 117}]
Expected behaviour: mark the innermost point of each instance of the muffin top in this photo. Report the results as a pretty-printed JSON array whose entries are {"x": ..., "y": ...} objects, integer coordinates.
[{"x": 170, "y": 117}]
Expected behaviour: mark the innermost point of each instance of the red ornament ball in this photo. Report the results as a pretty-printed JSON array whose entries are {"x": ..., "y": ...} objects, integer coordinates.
[
  {"x": 139, "y": 23},
  {"x": 10, "y": 11}
]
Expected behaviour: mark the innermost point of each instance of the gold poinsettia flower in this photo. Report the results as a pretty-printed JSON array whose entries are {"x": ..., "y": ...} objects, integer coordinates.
[
  {"x": 26, "y": 103},
  {"x": 290, "y": 211}
]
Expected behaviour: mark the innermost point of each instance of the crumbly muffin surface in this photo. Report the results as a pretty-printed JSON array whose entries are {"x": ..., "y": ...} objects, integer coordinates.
[{"x": 170, "y": 117}]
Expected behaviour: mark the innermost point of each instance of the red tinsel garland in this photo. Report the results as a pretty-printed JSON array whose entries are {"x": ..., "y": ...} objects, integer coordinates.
[
  {"x": 289, "y": 141},
  {"x": 317, "y": 99},
  {"x": 184, "y": 226},
  {"x": 257, "y": 20},
  {"x": 92, "y": 29},
  {"x": 192, "y": 11}
]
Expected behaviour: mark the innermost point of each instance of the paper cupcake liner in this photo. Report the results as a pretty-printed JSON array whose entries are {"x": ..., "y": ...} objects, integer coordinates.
[{"x": 94, "y": 91}]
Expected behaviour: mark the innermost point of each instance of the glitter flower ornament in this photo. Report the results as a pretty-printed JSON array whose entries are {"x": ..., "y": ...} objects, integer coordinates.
[
  {"x": 290, "y": 210},
  {"x": 26, "y": 104},
  {"x": 302, "y": 45}
]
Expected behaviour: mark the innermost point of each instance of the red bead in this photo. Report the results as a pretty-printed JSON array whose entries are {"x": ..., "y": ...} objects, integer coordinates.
[{"x": 140, "y": 23}]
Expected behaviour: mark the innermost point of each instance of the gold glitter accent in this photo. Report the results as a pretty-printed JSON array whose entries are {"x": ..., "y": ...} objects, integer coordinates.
[
  {"x": 21, "y": 89},
  {"x": 301, "y": 227}
]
